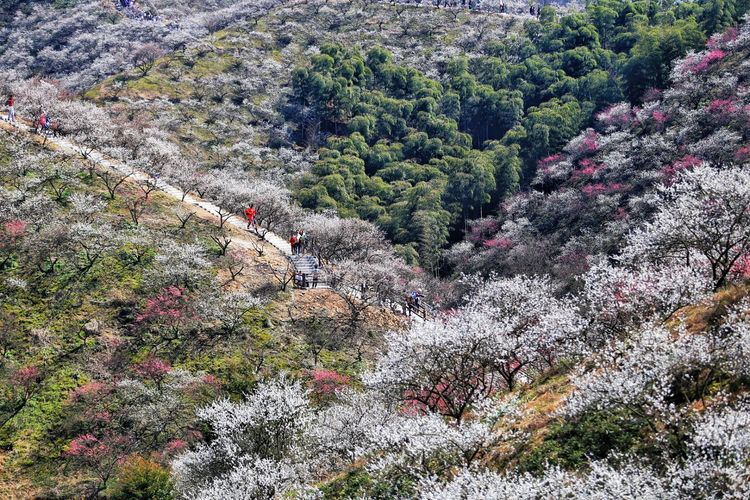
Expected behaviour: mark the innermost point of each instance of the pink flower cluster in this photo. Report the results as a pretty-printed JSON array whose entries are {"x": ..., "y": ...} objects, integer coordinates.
[
  {"x": 722, "y": 107},
  {"x": 25, "y": 376},
  {"x": 549, "y": 161},
  {"x": 12, "y": 230},
  {"x": 601, "y": 188},
  {"x": 588, "y": 167},
  {"x": 152, "y": 368},
  {"x": 502, "y": 243},
  {"x": 169, "y": 304},
  {"x": 743, "y": 154},
  {"x": 713, "y": 56},
  {"x": 87, "y": 446},
  {"x": 741, "y": 267},
  {"x": 327, "y": 382},
  {"x": 720, "y": 41},
  {"x": 659, "y": 117},
  {"x": 15, "y": 228},
  {"x": 615, "y": 116},
  {"x": 90, "y": 389},
  {"x": 175, "y": 446},
  {"x": 212, "y": 381},
  {"x": 591, "y": 142},
  {"x": 685, "y": 163},
  {"x": 103, "y": 416}
]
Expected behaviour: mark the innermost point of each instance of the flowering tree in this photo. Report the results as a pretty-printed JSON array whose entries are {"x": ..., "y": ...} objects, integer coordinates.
[
  {"x": 145, "y": 57},
  {"x": 148, "y": 412},
  {"x": 273, "y": 206},
  {"x": 170, "y": 314},
  {"x": 256, "y": 447},
  {"x": 508, "y": 328},
  {"x": 25, "y": 382},
  {"x": 180, "y": 265},
  {"x": 363, "y": 285},
  {"x": 703, "y": 222},
  {"x": 335, "y": 239},
  {"x": 618, "y": 298}
]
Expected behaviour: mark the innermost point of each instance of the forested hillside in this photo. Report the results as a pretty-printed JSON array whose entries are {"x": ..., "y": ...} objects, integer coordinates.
[
  {"x": 451, "y": 113},
  {"x": 420, "y": 156},
  {"x": 412, "y": 249},
  {"x": 588, "y": 198}
]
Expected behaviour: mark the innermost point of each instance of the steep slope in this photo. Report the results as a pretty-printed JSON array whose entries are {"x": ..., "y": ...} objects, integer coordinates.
[
  {"x": 117, "y": 296},
  {"x": 590, "y": 196}
]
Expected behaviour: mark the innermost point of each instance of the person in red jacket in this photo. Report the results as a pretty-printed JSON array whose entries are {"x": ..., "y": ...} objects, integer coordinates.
[
  {"x": 250, "y": 214},
  {"x": 11, "y": 103},
  {"x": 293, "y": 243},
  {"x": 42, "y": 122}
]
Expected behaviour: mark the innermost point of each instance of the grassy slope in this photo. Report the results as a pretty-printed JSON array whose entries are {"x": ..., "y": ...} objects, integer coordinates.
[
  {"x": 48, "y": 315},
  {"x": 422, "y": 38}
]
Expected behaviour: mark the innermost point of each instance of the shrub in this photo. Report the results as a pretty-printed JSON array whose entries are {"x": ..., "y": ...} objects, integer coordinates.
[
  {"x": 574, "y": 443},
  {"x": 140, "y": 478}
]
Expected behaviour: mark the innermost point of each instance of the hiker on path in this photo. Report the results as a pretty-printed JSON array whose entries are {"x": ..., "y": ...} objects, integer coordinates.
[
  {"x": 250, "y": 214},
  {"x": 297, "y": 243},
  {"x": 42, "y": 123},
  {"x": 11, "y": 103},
  {"x": 315, "y": 276},
  {"x": 293, "y": 243},
  {"x": 301, "y": 241},
  {"x": 415, "y": 296}
]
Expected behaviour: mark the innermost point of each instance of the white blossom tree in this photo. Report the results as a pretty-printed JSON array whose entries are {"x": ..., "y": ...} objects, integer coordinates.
[{"x": 702, "y": 222}]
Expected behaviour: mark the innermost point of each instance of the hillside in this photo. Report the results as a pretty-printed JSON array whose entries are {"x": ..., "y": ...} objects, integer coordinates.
[
  {"x": 490, "y": 254},
  {"x": 129, "y": 294},
  {"x": 590, "y": 196},
  {"x": 415, "y": 119}
]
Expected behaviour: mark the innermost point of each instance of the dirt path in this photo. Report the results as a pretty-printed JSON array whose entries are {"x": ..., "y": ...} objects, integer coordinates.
[{"x": 203, "y": 208}]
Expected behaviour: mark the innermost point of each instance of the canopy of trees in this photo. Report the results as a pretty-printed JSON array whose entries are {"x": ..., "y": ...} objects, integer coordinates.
[{"x": 419, "y": 156}]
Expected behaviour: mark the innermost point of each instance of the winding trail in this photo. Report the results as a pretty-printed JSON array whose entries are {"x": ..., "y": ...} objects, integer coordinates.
[
  {"x": 301, "y": 263},
  {"x": 68, "y": 147}
]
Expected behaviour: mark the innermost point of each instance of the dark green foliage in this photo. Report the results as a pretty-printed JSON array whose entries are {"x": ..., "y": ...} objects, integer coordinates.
[
  {"x": 398, "y": 152},
  {"x": 420, "y": 156},
  {"x": 358, "y": 483},
  {"x": 572, "y": 444}
]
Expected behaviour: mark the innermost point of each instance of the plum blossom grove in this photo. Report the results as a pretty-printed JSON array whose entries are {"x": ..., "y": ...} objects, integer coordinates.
[
  {"x": 626, "y": 331},
  {"x": 589, "y": 337}
]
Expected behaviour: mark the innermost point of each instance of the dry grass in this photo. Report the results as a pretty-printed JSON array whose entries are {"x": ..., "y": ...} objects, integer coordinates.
[
  {"x": 13, "y": 485},
  {"x": 700, "y": 317}
]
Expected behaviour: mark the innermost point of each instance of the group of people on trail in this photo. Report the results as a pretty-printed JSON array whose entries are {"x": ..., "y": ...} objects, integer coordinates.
[
  {"x": 413, "y": 302},
  {"x": 42, "y": 124},
  {"x": 298, "y": 241},
  {"x": 301, "y": 279},
  {"x": 130, "y": 9}
]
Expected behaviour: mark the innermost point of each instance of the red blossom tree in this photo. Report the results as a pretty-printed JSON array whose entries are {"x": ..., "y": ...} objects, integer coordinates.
[
  {"x": 324, "y": 384},
  {"x": 154, "y": 369},
  {"x": 169, "y": 313}
]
